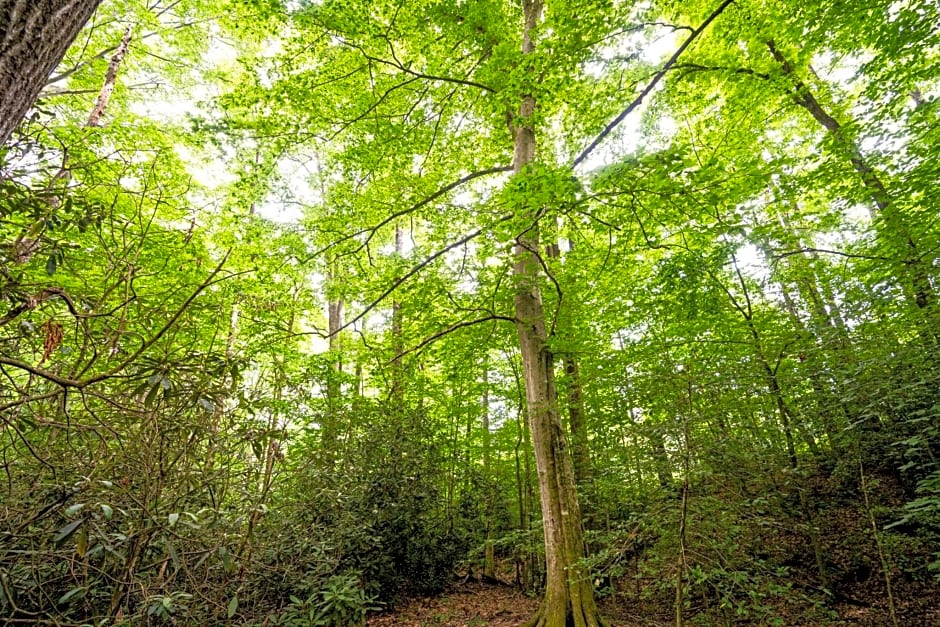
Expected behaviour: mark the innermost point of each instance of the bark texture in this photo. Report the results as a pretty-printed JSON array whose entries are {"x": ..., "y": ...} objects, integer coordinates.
[
  {"x": 331, "y": 420},
  {"x": 569, "y": 594},
  {"x": 577, "y": 423},
  {"x": 34, "y": 36},
  {"x": 110, "y": 79}
]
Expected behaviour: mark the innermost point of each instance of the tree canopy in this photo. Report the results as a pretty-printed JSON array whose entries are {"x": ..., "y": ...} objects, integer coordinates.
[{"x": 310, "y": 307}]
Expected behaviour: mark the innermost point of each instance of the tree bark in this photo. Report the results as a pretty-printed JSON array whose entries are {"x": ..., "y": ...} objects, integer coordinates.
[
  {"x": 34, "y": 37},
  {"x": 489, "y": 550},
  {"x": 569, "y": 594},
  {"x": 577, "y": 423},
  {"x": 329, "y": 438},
  {"x": 110, "y": 79},
  {"x": 398, "y": 346}
]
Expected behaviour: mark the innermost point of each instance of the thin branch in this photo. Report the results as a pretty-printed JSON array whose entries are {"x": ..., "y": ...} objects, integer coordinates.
[
  {"x": 166, "y": 327},
  {"x": 28, "y": 399},
  {"x": 421, "y": 203},
  {"x": 401, "y": 66},
  {"x": 743, "y": 284},
  {"x": 65, "y": 382},
  {"x": 48, "y": 375},
  {"x": 825, "y": 251},
  {"x": 459, "y": 325},
  {"x": 651, "y": 85},
  {"x": 697, "y": 67},
  {"x": 415, "y": 270}
]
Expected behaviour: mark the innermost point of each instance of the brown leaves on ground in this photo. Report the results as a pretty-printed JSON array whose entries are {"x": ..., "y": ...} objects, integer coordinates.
[
  {"x": 469, "y": 605},
  {"x": 476, "y": 605}
]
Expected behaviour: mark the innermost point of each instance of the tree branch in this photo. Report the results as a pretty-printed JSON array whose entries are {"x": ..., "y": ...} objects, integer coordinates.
[
  {"x": 421, "y": 203},
  {"x": 459, "y": 325},
  {"x": 65, "y": 382},
  {"x": 650, "y": 86},
  {"x": 825, "y": 251},
  {"x": 416, "y": 269}
]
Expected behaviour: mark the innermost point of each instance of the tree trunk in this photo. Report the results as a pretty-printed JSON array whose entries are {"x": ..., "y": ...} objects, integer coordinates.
[
  {"x": 34, "y": 36},
  {"x": 569, "y": 595},
  {"x": 918, "y": 286},
  {"x": 398, "y": 346},
  {"x": 577, "y": 423},
  {"x": 331, "y": 419},
  {"x": 489, "y": 551},
  {"x": 110, "y": 79}
]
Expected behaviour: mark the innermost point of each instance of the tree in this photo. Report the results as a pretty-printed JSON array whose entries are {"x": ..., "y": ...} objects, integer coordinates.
[
  {"x": 569, "y": 591},
  {"x": 34, "y": 37}
]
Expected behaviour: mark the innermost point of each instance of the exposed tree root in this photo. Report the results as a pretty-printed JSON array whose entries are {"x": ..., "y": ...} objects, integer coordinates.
[{"x": 568, "y": 618}]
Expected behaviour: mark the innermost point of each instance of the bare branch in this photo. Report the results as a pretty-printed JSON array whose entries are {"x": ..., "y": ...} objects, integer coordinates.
[
  {"x": 459, "y": 325},
  {"x": 650, "y": 86}
]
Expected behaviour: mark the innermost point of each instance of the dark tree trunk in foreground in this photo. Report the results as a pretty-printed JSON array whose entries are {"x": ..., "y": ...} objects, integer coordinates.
[{"x": 34, "y": 36}]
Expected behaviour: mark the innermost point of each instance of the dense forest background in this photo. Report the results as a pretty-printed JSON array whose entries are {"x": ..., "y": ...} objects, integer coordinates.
[{"x": 309, "y": 307}]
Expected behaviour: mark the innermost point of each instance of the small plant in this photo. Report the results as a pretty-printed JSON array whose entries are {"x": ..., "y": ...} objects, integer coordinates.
[
  {"x": 165, "y": 606},
  {"x": 340, "y": 603}
]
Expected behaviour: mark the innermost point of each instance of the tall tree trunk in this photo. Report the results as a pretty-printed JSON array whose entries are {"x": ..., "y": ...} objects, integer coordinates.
[
  {"x": 398, "y": 374},
  {"x": 489, "y": 550},
  {"x": 34, "y": 36},
  {"x": 569, "y": 595},
  {"x": 577, "y": 424},
  {"x": 331, "y": 420},
  {"x": 918, "y": 286}
]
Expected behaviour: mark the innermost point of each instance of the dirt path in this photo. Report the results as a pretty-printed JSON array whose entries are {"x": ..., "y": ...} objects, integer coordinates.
[{"x": 480, "y": 605}]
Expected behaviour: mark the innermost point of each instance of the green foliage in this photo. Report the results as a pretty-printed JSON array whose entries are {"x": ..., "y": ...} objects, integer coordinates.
[
  {"x": 342, "y": 601},
  {"x": 385, "y": 523},
  {"x": 743, "y": 271}
]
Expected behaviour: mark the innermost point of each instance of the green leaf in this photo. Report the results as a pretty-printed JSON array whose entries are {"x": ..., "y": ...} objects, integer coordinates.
[
  {"x": 151, "y": 397},
  {"x": 74, "y": 509},
  {"x": 173, "y": 518},
  {"x": 66, "y": 532},
  {"x": 171, "y": 549},
  {"x": 73, "y": 594},
  {"x": 51, "y": 264},
  {"x": 107, "y": 510},
  {"x": 227, "y": 564},
  {"x": 232, "y": 606}
]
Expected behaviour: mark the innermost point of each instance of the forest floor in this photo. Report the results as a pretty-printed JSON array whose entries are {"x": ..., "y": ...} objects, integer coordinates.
[{"x": 476, "y": 604}]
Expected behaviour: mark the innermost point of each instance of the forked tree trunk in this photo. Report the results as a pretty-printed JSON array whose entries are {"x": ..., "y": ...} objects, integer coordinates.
[
  {"x": 569, "y": 594},
  {"x": 34, "y": 36}
]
